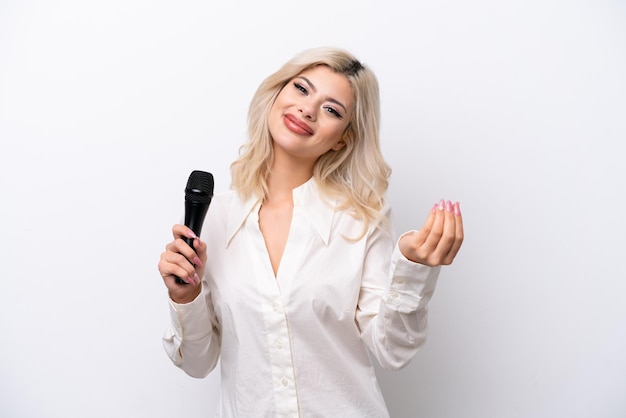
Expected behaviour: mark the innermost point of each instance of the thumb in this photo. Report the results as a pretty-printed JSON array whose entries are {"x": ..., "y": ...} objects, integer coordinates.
[
  {"x": 430, "y": 220},
  {"x": 200, "y": 247}
]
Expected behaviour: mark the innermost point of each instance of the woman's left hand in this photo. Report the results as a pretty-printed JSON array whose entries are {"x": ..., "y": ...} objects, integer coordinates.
[{"x": 439, "y": 240}]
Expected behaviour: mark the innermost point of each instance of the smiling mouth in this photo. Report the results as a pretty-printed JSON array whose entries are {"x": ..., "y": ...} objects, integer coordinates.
[{"x": 296, "y": 126}]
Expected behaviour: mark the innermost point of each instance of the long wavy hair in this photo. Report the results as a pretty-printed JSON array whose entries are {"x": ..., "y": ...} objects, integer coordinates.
[{"x": 357, "y": 174}]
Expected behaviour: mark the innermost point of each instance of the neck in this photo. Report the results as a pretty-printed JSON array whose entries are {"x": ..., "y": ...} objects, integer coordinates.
[{"x": 286, "y": 175}]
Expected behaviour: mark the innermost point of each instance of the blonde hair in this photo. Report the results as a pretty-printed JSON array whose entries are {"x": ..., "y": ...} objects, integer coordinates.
[{"x": 357, "y": 173}]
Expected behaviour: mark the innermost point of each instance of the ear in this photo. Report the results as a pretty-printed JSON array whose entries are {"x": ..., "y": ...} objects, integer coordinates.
[{"x": 339, "y": 145}]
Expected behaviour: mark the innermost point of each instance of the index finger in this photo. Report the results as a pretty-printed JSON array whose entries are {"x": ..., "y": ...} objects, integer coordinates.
[{"x": 182, "y": 231}]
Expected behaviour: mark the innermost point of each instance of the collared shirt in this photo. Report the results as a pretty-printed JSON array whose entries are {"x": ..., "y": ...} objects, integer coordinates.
[{"x": 300, "y": 343}]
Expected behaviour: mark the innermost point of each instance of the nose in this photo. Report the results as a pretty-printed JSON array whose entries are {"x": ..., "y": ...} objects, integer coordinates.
[{"x": 307, "y": 109}]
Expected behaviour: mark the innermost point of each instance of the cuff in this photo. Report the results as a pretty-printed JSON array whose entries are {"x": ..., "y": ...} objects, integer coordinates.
[
  {"x": 412, "y": 284},
  {"x": 190, "y": 320}
]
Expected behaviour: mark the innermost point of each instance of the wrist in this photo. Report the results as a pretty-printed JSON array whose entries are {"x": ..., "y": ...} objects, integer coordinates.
[
  {"x": 188, "y": 296},
  {"x": 407, "y": 247}
]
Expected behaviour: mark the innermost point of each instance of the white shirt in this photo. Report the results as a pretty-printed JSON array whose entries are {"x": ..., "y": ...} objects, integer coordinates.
[{"x": 298, "y": 344}]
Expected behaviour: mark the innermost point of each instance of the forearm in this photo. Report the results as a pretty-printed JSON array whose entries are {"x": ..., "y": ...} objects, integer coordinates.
[
  {"x": 399, "y": 329},
  {"x": 192, "y": 340}
]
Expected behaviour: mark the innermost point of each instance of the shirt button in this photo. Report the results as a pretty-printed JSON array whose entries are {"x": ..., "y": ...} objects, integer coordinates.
[
  {"x": 275, "y": 306},
  {"x": 284, "y": 382},
  {"x": 393, "y": 295},
  {"x": 278, "y": 344},
  {"x": 398, "y": 280}
]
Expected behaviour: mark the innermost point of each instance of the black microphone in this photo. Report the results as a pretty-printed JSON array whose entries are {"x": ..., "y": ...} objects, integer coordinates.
[{"x": 198, "y": 195}]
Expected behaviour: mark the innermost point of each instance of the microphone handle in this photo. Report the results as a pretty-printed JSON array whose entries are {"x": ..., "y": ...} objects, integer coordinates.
[{"x": 195, "y": 212}]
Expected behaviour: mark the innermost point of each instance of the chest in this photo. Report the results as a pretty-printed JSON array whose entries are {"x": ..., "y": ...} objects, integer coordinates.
[
  {"x": 313, "y": 277},
  {"x": 274, "y": 224}
]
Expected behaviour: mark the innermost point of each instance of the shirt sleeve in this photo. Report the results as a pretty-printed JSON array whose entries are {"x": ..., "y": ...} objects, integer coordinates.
[
  {"x": 392, "y": 311},
  {"x": 192, "y": 341}
]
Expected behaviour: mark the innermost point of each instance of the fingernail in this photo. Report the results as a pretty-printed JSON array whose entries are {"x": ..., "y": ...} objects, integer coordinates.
[
  {"x": 457, "y": 208},
  {"x": 442, "y": 204},
  {"x": 196, "y": 278},
  {"x": 197, "y": 262},
  {"x": 448, "y": 206},
  {"x": 434, "y": 209},
  {"x": 191, "y": 234}
]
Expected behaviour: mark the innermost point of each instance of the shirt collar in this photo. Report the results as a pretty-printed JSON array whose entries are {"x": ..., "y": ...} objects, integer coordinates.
[{"x": 318, "y": 209}]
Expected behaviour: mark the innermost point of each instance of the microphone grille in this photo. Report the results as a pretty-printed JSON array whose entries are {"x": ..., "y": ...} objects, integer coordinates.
[{"x": 199, "y": 187}]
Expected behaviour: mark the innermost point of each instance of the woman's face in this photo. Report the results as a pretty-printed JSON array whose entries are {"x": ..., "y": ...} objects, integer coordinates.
[{"x": 311, "y": 113}]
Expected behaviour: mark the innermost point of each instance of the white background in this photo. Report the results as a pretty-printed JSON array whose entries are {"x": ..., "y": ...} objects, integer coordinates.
[{"x": 517, "y": 109}]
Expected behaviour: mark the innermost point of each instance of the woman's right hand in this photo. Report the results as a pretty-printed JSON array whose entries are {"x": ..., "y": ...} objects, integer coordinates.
[{"x": 180, "y": 260}]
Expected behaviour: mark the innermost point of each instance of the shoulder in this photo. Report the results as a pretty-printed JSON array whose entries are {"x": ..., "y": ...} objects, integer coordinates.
[
  {"x": 221, "y": 204},
  {"x": 224, "y": 198}
]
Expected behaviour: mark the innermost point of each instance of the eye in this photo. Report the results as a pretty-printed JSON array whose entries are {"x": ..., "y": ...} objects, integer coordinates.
[
  {"x": 333, "y": 111},
  {"x": 300, "y": 87}
]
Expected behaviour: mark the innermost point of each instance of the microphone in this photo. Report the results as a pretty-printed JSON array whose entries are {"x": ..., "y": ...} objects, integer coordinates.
[{"x": 198, "y": 195}]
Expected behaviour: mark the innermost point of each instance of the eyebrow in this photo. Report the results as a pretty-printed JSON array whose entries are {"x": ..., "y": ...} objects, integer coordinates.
[{"x": 330, "y": 99}]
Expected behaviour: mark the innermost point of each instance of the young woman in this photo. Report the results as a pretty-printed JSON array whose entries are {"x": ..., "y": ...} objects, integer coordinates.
[{"x": 304, "y": 282}]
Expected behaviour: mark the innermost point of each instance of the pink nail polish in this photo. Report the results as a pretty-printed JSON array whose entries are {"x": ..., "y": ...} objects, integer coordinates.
[
  {"x": 434, "y": 209},
  {"x": 442, "y": 204},
  {"x": 457, "y": 209},
  {"x": 191, "y": 234},
  {"x": 197, "y": 262},
  {"x": 448, "y": 206}
]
